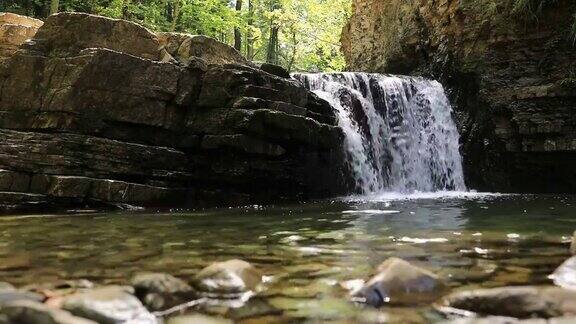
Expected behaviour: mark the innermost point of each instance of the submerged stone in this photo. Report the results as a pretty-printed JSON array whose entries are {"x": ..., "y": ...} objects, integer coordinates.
[
  {"x": 160, "y": 290},
  {"x": 228, "y": 278},
  {"x": 399, "y": 282},
  {"x": 517, "y": 302},
  {"x": 109, "y": 305}
]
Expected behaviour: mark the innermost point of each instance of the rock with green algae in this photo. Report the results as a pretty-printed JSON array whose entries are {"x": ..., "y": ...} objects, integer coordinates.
[{"x": 399, "y": 282}]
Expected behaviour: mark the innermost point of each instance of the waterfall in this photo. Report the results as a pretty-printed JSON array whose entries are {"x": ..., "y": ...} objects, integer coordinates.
[{"x": 400, "y": 135}]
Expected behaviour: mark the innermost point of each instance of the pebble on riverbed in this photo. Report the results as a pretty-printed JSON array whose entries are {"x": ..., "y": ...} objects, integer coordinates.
[
  {"x": 228, "y": 279},
  {"x": 399, "y": 282}
]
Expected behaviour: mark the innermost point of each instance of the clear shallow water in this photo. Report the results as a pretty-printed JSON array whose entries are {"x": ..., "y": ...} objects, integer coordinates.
[{"x": 473, "y": 240}]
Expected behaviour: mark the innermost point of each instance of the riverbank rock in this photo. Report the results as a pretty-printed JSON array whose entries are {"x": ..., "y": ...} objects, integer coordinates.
[
  {"x": 228, "y": 279},
  {"x": 399, "y": 282},
  {"x": 509, "y": 73},
  {"x": 160, "y": 290},
  {"x": 565, "y": 275},
  {"x": 38, "y": 313},
  {"x": 112, "y": 304},
  {"x": 14, "y": 31},
  {"x": 518, "y": 302},
  {"x": 93, "y": 114}
]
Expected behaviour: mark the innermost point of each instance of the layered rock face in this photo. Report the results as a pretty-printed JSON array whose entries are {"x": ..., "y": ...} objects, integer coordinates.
[
  {"x": 95, "y": 110},
  {"x": 511, "y": 76},
  {"x": 14, "y": 31}
]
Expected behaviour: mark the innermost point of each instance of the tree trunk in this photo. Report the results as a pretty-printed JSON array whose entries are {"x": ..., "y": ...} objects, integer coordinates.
[
  {"x": 175, "y": 14},
  {"x": 54, "y": 4},
  {"x": 250, "y": 36},
  {"x": 273, "y": 41},
  {"x": 294, "y": 51},
  {"x": 125, "y": 9},
  {"x": 272, "y": 55},
  {"x": 237, "y": 32}
]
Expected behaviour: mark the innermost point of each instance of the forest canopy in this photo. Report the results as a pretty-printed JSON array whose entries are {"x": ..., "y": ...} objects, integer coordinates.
[{"x": 300, "y": 35}]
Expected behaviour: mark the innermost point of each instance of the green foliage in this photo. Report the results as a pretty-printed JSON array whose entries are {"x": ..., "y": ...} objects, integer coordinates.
[
  {"x": 530, "y": 9},
  {"x": 308, "y": 31}
]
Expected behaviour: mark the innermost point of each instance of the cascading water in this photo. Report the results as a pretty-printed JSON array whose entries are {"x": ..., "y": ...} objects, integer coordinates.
[{"x": 400, "y": 136}]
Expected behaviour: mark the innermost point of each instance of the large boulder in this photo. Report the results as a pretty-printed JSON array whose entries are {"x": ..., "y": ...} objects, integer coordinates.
[
  {"x": 14, "y": 31},
  {"x": 185, "y": 47},
  {"x": 399, "y": 282},
  {"x": 160, "y": 290},
  {"x": 99, "y": 111},
  {"x": 109, "y": 305},
  {"x": 68, "y": 33}
]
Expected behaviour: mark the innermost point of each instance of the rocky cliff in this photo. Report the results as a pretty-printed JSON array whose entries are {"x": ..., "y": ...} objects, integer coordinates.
[
  {"x": 100, "y": 111},
  {"x": 510, "y": 71}
]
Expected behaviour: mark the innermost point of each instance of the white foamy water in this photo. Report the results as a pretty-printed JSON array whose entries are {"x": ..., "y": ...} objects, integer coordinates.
[
  {"x": 400, "y": 135},
  {"x": 436, "y": 195}
]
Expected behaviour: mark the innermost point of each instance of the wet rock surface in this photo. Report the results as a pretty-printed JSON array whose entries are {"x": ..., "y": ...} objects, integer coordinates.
[
  {"x": 510, "y": 80},
  {"x": 37, "y": 313},
  {"x": 228, "y": 279},
  {"x": 112, "y": 304},
  {"x": 97, "y": 111},
  {"x": 565, "y": 275},
  {"x": 517, "y": 302},
  {"x": 160, "y": 290},
  {"x": 399, "y": 282}
]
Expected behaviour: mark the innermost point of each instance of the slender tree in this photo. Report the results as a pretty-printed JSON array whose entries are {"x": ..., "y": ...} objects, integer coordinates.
[
  {"x": 250, "y": 34},
  {"x": 175, "y": 15},
  {"x": 126, "y": 9},
  {"x": 54, "y": 4},
  {"x": 237, "y": 32},
  {"x": 273, "y": 40}
]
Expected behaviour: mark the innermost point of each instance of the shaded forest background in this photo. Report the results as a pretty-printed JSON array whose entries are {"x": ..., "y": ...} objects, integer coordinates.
[{"x": 300, "y": 35}]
